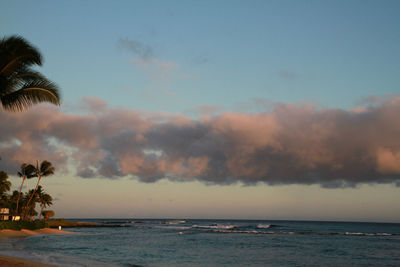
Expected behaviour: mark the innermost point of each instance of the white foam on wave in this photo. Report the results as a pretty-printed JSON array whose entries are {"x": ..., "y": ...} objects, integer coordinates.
[
  {"x": 368, "y": 234},
  {"x": 263, "y": 226},
  {"x": 174, "y": 227},
  {"x": 176, "y": 222},
  {"x": 216, "y": 226},
  {"x": 244, "y": 232},
  {"x": 296, "y": 233}
]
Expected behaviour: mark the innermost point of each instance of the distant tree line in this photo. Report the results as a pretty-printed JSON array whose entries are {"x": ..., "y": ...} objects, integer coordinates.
[{"x": 24, "y": 204}]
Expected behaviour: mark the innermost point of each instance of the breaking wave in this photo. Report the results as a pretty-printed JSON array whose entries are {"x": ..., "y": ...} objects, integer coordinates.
[
  {"x": 298, "y": 233},
  {"x": 263, "y": 226}
]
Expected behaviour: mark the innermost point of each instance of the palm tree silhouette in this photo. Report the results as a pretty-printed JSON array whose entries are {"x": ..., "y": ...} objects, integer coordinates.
[
  {"x": 29, "y": 209},
  {"x": 44, "y": 199},
  {"x": 27, "y": 171},
  {"x": 4, "y": 183},
  {"x": 45, "y": 169},
  {"x": 4, "y": 187},
  {"x": 21, "y": 86}
]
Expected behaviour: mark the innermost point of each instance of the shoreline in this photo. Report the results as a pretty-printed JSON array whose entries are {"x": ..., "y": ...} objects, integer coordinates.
[
  {"x": 8, "y": 261},
  {"x": 8, "y": 233}
]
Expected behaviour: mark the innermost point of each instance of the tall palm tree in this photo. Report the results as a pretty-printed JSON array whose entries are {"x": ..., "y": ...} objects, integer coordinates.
[
  {"x": 44, "y": 199},
  {"x": 20, "y": 85},
  {"x": 27, "y": 171},
  {"x": 45, "y": 169}
]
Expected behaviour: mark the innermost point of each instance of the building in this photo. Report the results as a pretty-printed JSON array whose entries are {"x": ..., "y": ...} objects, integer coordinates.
[{"x": 4, "y": 214}]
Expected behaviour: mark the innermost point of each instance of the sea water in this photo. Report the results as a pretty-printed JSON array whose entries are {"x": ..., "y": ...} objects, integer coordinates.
[{"x": 133, "y": 242}]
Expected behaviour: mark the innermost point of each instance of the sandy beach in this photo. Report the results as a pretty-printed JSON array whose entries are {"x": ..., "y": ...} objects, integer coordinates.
[{"x": 6, "y": 261}]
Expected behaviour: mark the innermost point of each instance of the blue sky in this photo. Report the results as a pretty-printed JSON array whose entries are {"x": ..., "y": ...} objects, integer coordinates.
[
  {"x": 331, "y": 53},
  {"x": 225, "y": 60}
]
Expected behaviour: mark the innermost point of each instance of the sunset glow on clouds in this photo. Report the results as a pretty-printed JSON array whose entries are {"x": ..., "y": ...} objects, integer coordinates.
[
  {"x": 203, "y": 109},
  {"x": 293, "y": 144}
]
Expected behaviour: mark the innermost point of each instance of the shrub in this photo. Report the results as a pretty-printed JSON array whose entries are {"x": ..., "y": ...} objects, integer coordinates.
[
  {"x": 47, "y": 214},
  {"x": 18, "y": 225}
]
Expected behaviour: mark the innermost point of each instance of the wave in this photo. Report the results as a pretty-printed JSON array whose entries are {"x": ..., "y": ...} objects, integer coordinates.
[
  {"x": 369, "y": 234},
  {"x": 242, "y": 232},
  {"x": 181, "y": 228},
  {"x": 216, "y": 226},
  {"x": 263, "y": 226},
  {"x": 296, "y": 233},
  {"x": 176, "y": 222},
  {"x": 56, "y": 259},
  {"x": 111, "y": 222},
  {"x": 226, "y": 227}
]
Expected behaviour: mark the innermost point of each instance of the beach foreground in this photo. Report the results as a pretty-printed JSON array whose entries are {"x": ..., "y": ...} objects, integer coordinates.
[{"x": 6, "y": 261}]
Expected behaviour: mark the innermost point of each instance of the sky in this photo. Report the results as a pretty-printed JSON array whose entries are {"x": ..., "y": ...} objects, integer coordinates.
[{"x": 213, "y": 109}]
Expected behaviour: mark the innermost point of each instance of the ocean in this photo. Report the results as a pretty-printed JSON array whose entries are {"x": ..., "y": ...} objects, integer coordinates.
[{"x": 165, "y": 242}]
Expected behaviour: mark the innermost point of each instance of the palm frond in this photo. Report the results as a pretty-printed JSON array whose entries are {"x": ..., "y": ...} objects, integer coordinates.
[
  {"x": 33, "y": 92},
  {"x": 4, "y": 183},
  {"x": 3, "y": 176},
  {"x": 39, "y": 190},
  {"x": 16, "y": 52},
  {"x": 45, "y": 165},
  {"x": 26, "y": 75},
  {"x": 30, "y": 171},
  {"x": 21, "y": 173},
  {"x": 46, "y": 200},
  {"x": 46, "y": 168},
  {"x": 20, "y": 86},
  {"x": 20, "y": 79}
]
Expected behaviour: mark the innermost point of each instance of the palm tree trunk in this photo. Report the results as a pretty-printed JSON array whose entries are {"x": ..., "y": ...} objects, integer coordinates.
[
  {"x": 34, "y": 192},
  {"x": 19, "y": 195}
]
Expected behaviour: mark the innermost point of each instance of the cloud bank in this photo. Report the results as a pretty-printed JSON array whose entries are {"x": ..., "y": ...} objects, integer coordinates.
[{"x": 293, "y": 144}]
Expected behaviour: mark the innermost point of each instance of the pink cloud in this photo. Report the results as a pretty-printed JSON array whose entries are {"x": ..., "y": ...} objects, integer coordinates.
[{"x": 292, "y": 144}]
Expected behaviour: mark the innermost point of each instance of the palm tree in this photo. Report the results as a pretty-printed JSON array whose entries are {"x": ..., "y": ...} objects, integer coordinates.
[
  {"x": 20, "y": 85},
  {"x": 45, "y": 169},
  {"x": 29, "y": 209},
  {"x": 44, "y": 199},
  {"x": 27, "y": 171},
  {"x": 4, "y": 184},
  {"x": 12, "y": 200}
]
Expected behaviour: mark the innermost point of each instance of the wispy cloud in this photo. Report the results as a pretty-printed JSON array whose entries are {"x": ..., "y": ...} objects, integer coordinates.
[
  {"x": 292, "y": 144},
  {"x": 137, "y": 48},
  {"x": 158, "y": 73}
]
